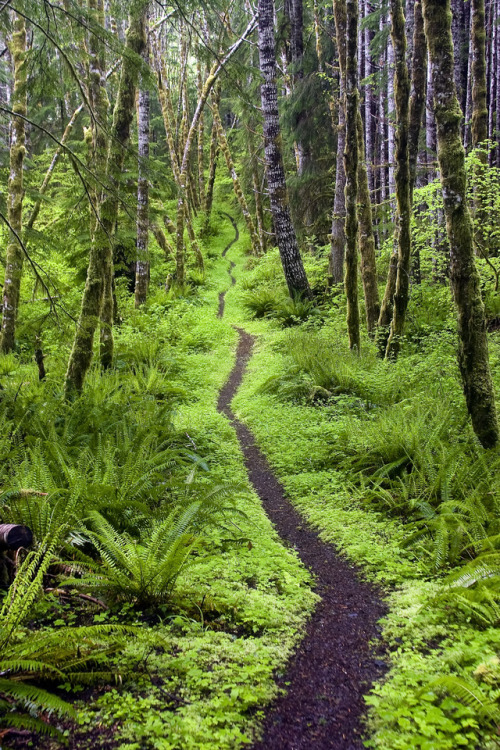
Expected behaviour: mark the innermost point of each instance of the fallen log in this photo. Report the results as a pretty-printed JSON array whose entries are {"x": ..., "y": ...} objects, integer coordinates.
[{"x": 14, "y": 536}]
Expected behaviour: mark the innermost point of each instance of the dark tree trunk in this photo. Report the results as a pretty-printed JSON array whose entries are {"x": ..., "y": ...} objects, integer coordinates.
[
  {"x": 473, "y": 347},
  {"x": 293, "y": 267}
]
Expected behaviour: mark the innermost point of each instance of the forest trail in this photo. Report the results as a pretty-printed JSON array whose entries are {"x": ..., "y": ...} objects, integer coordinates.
[{"x": 334, "y": 665}]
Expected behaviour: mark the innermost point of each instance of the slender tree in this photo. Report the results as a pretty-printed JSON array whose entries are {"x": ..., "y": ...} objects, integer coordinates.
[
  {"x": 293, "y": 267},
  {"x": 97, "y": 301},
  {"x": 402, "y": 176},
  {"x": 15, "y": 195},
  {"x": 238, "y": 191},
  {"x": 351, "y": 158},
  {"x": 473, "y": 347},
  {"x": 337, "y": 247},
  {"x": 479, "y": 86},
  {"x": 142, "y": 263}
]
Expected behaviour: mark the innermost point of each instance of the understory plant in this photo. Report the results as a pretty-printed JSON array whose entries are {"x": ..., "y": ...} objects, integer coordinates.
[{"x": 69, "y": 654}]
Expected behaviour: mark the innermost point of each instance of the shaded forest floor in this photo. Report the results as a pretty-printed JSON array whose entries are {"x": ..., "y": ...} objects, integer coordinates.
[{"x": 241, "y": 610}]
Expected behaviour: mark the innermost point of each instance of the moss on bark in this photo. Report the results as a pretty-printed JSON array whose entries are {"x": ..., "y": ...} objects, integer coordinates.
[
  {"x": 473, "y": 347},
  {"x": 15, "y": 255}
]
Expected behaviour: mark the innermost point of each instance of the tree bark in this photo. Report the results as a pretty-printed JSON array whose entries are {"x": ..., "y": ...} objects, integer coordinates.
[
  {"x": 142, "y": 263},
  {"x": 417, "y": 98},
  {"x": 479, "y": 125},
  {"x": 236, "y": 183},
  {"x": 367, "y": 239},
  {"x": 212, "y": 167},
  {"x": 351, "y": 158},
  {"x": 97, "y": 302},
  {"x": 473, "y": 347},
  {"x": 338, "y": 239},
  {"x": 402, "y": 177},
  {"x": 15, "y": 255},
  {"x": 293, "y": 267}
]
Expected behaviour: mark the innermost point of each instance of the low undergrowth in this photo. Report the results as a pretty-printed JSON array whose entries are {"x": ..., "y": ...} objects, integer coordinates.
[
  {"x": 380, "y": 458},
  {"x": 156, "y": 552}
]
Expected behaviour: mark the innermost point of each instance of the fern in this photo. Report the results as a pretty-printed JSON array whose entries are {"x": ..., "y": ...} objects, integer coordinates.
[
  {"x": 65, "y": 654},
  {"x": 470, "y": 694}
]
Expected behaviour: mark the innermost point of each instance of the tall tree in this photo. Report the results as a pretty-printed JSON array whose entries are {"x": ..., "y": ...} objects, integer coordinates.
[
  {"x": 337, "y": 246},
  {"x": 351, "y": 157},
  {"x": 15, "y": 196},
  {"x": 473, "y": 349},
  {"x": 142, "y": 262},
  {"x": 479, "y": 87},
  {"x": 97, "y": 301},
  {"x": 286, "y": 238},
  {"x": 402, "y": 176}
]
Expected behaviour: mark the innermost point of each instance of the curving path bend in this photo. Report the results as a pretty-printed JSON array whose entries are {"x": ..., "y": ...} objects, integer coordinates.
[{"x": 335, "y": 663}]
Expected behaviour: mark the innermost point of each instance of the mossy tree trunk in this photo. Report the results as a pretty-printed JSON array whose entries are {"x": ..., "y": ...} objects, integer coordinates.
[
  {"x": 473, "y": 347},
  {"x": 97, "y": 302},
  {"x": 402, "y": 177},
  {"x": 212, "y": 166},
  {"x": 286, "y": 238},
  {"x": 14, "y": 255},
  {"x": 142, "y": 263},
  {"x": 367, "y": 238},
  {"x": 365, "y": 219},
  {"x": 337, "y": 246},
  {"x": 238, "y": 191},
  {"x": 417, "y": 96},
  {"x": 351, "y": 158},
  {"x": 479, "y": 128},
  {"x": 417, "y": 107},
  {"x": 479, "y": 125}
]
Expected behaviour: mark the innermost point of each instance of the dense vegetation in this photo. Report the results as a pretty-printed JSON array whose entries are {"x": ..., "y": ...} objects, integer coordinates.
[{"x": 356, "y": 192}]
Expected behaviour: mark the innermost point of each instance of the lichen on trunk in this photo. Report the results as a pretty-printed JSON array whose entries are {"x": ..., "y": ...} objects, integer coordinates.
[
  {"x": 15, "y": 254},
  {"x": 473, "y": 346}
]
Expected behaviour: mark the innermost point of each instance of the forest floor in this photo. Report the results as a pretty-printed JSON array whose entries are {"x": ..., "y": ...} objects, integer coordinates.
[{"x": 315, "y": 625}]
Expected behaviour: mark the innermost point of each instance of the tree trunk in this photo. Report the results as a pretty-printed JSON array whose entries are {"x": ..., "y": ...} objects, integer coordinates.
[
  {"x": 236, "y": 183},
  {"x": 97, "y": 302},
  {"x": 142, "y": 263},
  {"x": 351, "y": 172},
  {"x": 417, "y": 109},
  {"x": 293, "y": 267},
  {"x": 367, "y": 239},
  {"x": 338, "y": 239},
  {"x": 417, "y": 98},
  {"x": 479, "y": 89},
  {"x": 212, "y": 167},
  {"x": 473, "y": 346},
  {"x": 402, "y": 177},
  {"x": 14, "y": 256}
]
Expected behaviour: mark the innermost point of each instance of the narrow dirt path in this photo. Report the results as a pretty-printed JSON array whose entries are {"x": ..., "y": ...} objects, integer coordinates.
[{"x": 335, "y": 663}]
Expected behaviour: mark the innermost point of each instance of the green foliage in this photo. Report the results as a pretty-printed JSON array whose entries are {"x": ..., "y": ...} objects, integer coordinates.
[
  {"x": 144, "y": 571},
  {"x": 64, "y": 654}
]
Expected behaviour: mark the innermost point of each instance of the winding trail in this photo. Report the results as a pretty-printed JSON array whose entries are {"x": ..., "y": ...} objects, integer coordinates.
[{"x": 335, "y": 663}]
